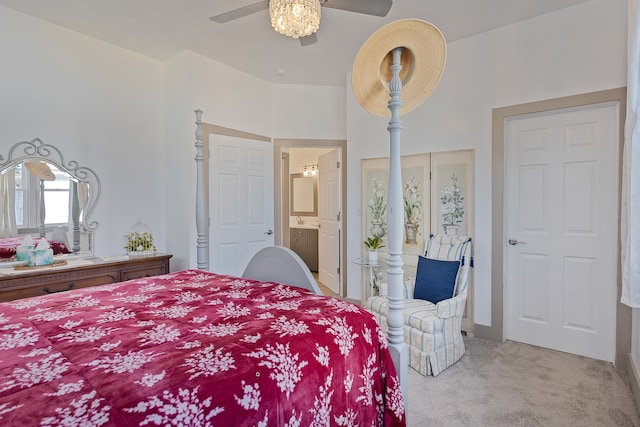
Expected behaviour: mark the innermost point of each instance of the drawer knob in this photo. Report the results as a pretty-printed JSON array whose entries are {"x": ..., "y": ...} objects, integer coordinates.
[{"x": 46, "y": 289}]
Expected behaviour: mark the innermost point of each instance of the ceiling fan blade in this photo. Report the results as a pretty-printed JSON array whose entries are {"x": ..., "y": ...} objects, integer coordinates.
[
  {"x": 368, "y": 7},
  {"x": 307, "y": 40},
  {"x": 240, "y": 12}
]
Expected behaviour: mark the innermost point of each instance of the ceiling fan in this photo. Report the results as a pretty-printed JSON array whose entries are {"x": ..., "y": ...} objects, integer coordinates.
[{"x": 367, "y": 7}]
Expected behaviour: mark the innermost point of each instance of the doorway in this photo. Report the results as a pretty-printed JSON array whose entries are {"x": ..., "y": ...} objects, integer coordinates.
[
  {"x": 290, "y": 157},
  {"x": 561, "y": 199}
]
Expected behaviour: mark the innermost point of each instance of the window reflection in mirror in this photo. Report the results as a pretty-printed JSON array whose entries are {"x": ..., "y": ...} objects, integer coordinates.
[{"x": 56, "y": 198}]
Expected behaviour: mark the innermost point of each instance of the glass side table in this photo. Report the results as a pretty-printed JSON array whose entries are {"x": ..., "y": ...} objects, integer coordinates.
[{"x": 372, "y": 286}]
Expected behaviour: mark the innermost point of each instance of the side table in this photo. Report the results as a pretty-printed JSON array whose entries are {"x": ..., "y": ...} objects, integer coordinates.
[{"x": 371, "y": 287}]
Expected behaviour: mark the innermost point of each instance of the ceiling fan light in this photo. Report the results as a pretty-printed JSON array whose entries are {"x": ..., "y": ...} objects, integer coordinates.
[{"x": 295, "y": 18}]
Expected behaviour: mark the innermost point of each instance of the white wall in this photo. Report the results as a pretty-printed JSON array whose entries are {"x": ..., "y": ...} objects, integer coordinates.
[
  {"x": 100, "y": 105},
  {"x": 228, "y": 98},
  {"x": 576, "y": 50},
  {"x": 299, "y": 157},
  {"x": 131, "y": 118},
  {"x": 308, "y": 112}
]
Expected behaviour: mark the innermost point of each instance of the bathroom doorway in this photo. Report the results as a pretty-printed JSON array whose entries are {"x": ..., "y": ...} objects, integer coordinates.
[{"x": 317, "y": 235}]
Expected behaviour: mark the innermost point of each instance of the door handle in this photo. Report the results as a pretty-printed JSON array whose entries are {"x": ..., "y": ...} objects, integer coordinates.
[
  {"x": 514, "y": 242},
  {"x": 269, "y": 232}
]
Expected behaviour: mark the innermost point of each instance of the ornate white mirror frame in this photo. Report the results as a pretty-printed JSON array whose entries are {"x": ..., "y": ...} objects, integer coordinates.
[{"x": 36, "y": 149}]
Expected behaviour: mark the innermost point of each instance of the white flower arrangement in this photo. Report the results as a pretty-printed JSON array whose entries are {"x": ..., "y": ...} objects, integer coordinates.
[
  {"x": 452, "y": 203},
  {"x": 377, "y": 204},
  {"x": 412, "y": 201}
]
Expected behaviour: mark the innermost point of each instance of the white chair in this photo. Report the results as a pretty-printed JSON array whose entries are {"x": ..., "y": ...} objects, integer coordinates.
[
  {"x": 433, "y": 331},
  {"x": 282, "y": 265}
]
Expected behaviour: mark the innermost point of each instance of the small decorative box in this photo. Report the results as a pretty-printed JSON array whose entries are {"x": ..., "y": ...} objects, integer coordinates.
[
  {"x": 22, "y": 252},
  {"x": 40, "y": 257}
]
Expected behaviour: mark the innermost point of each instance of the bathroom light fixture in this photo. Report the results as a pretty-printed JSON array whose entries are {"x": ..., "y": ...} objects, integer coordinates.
[{"x": 310, "y": 170}]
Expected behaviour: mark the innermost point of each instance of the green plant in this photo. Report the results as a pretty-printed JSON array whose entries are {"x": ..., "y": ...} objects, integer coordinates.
[
  {"x": 373, "y": 243},
  {"x": 140, "y": 242}
]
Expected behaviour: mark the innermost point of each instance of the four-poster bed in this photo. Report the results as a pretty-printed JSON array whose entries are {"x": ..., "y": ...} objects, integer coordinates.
[
  {"x": 196, "y": 347},
  {"x": 395, "y": 70}
]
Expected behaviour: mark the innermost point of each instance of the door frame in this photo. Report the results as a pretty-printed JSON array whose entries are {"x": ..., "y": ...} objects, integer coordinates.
[
  {"x": 495, "y": 331},
  {"x": 278, "y": 145},
  {"x": 203, "y": 226}
]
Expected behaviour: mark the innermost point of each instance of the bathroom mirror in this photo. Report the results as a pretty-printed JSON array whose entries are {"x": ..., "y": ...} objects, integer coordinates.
[
  {"x": 42, "y": 195},
  {"x": 304, "y": 195}
]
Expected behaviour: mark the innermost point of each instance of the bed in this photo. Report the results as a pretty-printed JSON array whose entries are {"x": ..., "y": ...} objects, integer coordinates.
[
  {"x": 194, "y": 348},
  {"x": 8, "y": 246}
]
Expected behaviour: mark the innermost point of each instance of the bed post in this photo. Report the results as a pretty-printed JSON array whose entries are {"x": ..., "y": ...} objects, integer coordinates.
[
  {"x": 202, "y": 241},
  {"x": 75, "y": 217},
  {"x": 395, "y": 220}
]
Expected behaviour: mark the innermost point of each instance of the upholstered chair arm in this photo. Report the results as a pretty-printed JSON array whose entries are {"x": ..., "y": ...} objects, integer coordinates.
[
  {"x": 451, "y": 307},
  {"x": 409, "y": 285}
]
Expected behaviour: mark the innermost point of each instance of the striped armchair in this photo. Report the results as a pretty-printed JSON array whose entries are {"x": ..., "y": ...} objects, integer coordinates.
[{"x": 433, "y": 331}]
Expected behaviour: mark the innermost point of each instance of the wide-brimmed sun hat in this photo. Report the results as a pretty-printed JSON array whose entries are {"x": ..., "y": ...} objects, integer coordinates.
[
  {"x": 40, "y": 170},
  {"x": 423, "y": 57}
]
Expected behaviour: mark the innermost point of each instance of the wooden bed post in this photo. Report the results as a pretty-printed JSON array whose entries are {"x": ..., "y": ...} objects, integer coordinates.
[
  {"x": 202, "y": 226},
  {"x": 395, "y": 220}
]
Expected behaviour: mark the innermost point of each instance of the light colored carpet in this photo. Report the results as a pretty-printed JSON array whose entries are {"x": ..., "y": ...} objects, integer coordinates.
[{"x": 515, "y": 384}]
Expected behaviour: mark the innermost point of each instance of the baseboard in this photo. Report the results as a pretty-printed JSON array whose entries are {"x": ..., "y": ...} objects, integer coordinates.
[
  {"x": 634, "y": 379},
  {"x": 487, "y": 333},
  {"x": 354, "y": 301}
]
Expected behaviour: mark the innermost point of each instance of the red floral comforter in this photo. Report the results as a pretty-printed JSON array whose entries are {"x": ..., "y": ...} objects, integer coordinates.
[{"x": 194, "y": 348}]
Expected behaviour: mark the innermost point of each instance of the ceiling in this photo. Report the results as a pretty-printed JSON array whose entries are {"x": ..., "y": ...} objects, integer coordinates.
[{"x": 162, "y": 28}]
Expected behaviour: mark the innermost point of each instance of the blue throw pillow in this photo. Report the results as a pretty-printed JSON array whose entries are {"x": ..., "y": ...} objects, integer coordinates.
[{"x": 435, "y": 279}]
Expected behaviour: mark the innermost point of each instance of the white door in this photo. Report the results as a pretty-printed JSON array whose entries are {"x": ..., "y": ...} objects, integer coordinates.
[
  {"x": 241, "y": 198},
  {"x": 329, "y": 219},
  {"x": 561, "y": 201}
]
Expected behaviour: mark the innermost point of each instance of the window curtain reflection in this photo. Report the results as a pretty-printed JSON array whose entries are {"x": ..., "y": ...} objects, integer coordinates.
[
  {"x": 630, "y": 207},
  {"x": 8, "y": 226},
  {"x": 78, "y": 196}
]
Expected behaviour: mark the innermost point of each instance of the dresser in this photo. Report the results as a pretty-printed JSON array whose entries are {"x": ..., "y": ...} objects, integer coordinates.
[
  {"x": 79, "y": 274},
  {"x": 304, "y": 242}
]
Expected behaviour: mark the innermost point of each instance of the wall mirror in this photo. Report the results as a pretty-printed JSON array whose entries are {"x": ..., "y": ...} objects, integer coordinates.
[
  {"x": 42, "y": 195},
  {"x": 304, "y": 195}
]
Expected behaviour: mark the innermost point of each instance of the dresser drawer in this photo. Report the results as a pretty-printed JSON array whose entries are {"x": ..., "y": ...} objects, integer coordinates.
[
  {"x": 77, "y": 283},
  {"x": 137, "y": 273},
  {"x": 100, "y": 272},
  {"x": 57, "y": 286}
]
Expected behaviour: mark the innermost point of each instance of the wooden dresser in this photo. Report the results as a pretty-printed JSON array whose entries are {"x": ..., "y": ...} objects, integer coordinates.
[{"x": 89, "y": 273}]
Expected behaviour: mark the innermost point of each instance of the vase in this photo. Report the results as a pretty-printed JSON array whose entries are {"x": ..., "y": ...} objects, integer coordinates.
[
  {"x": 451, "y": 229},
  {"x": 373, "y": 257},
  {"x": 376, "y": 229},
  {"x": 411, "y": 233}
]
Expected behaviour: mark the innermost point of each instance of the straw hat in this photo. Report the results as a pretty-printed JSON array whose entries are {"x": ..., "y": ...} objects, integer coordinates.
[
  {"x": 41, "y": 170},
  {"x": 422, "y": 60}
]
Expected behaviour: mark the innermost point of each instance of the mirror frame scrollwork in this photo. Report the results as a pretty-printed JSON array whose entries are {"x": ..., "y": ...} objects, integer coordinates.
[{"x": 37, "y": 149}]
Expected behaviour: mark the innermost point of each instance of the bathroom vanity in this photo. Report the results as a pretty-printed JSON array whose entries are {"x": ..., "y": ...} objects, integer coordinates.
[{"x": 304, "y": 242}]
